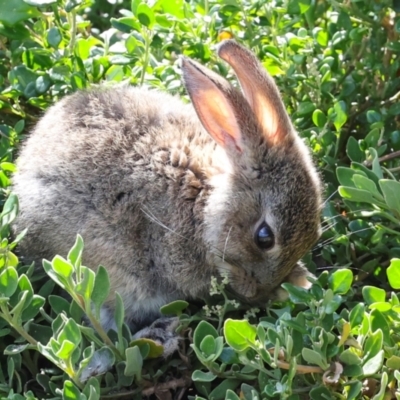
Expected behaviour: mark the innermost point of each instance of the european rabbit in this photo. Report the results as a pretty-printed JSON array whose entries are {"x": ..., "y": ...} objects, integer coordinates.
[{"x": 167, "y": 194}]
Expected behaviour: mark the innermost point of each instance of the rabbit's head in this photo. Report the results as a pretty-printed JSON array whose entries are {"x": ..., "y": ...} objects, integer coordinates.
[{"x": 263, "y": 210}]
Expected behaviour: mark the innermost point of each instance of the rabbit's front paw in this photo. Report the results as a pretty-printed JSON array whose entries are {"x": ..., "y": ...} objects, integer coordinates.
[
  {"x": 162, "y": 331},
  {"x": 298, "y": 277}
]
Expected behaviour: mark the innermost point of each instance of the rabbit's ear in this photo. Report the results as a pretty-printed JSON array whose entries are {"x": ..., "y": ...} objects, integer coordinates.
[
  {"x": 213, "y": 99},
  {"x": 259, "y": 90}
]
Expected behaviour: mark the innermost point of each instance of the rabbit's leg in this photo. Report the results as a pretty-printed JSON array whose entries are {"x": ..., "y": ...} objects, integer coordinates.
[
  {"x": 162, "y": 331},
  {"x": 297, "y": 277}
]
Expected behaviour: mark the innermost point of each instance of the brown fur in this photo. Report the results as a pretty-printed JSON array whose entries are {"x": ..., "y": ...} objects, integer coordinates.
[{"x": 159, "y": 202}]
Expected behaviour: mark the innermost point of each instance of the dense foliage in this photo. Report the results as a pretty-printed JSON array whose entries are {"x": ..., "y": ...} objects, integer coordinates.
[{"x": 337, "y": 64}]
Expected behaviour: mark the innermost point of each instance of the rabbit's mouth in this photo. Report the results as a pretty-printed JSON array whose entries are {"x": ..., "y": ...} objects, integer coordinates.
[
  {"x": 251, "y": 290},
  {"x": 240, "y": 280}
]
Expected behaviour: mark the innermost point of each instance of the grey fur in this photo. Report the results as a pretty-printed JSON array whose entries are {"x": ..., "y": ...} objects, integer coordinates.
[{"x": 159, "y": 202}]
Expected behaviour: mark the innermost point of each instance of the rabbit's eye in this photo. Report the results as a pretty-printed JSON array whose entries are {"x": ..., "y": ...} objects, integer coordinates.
[{"x": 264, "y": 237}]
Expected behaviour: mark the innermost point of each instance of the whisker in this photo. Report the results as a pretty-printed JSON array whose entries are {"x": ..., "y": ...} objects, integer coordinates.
[
  {"x": 226, "y": 243},
  {"x": 326, "y": 201},
  {"x": 157, "y": 221},
  {"x": 326, "y": 242},
  {"x": 330, "y": 240},
  {"x": 340, "y": 215},
  {"x": 214, "y": 250},
  {"x": 328, "y": 227}
]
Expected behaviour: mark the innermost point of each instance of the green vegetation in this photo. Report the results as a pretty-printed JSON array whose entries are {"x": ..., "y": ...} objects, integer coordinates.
[{"x": 338, "y": 67}]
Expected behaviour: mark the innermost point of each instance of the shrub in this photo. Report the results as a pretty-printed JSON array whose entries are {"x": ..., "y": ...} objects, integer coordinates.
[{"x": 337, "y": 65}]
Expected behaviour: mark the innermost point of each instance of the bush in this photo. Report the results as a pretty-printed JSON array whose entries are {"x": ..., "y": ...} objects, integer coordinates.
[{"x": 337, "y": 65}]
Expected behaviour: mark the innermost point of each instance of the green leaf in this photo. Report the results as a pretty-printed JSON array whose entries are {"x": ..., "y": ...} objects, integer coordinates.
[
  {"x": 70, "y": 332},
  {"x": 373, "y": 294},
  {"x": 174, "y": 308},
  {"x": 297, "y": 294},
  {"x": 200, "y": 376},
  {"x": 374, "y": 364},
  {"x": 43, "y": 84},
  {"x": 134, "y": 361},
  {"x": 203, "y": 329},
  {"x": 219, "y": 392},
  {"x": 345, "y": 176},
  {"x": 54, "y": 37},
  {"x": 145, "y": 15},
  {"x": 340, "y": 116},
  {"x": 357, "y": 195},
  {"x": 383, "y": 387},
  {"x": 239, "y": 334},
  {"x": 392, "y": 362},
  {"x": 357, "y": 315},
  {"x": 362, "y": 169},
  {"x": 176, "y": 8},
  {"x": 85, "y": 286},
  {"x": 71, "y": 4},
  {"x": 319, "y": 118},
  {"x": 393, "y": 273},
  {"x": 15, "y": 349},
  {"x": 70, "y": 392},
  {"x": 305, "y": 108},
  {"x": 340, "y": 281},
  {"x": 207, "y": 345},
  {"x": 353, "y": 150},
  {"x": 66, "y": 350},
  {"x": 378, "y": 321},
  {"x": 75, "y": 254},
  {"x": 82, "y": 48},
  {"x": 59, "y": 304},
  {"x": 40, "y": 3},
  {"x": 32, "y": 308},
  {"x": 354, "y": 391},
  {"x": 62, "y": 267},
  {"x": 15, "y": 11},
  {"x": 8, "y": 282},
  {"x": 101, "y": 288},
  {"x": 376, "y": 168},
  {"x": 155, "y": 350},
  {"x": 231, "y": 395},
  {"x": 320, "y": 393},
  {"x": 364, "y": 183},
  {"x": 119, "y": 313},
  {"x": 349, "y": 357},
  {"x": 391, "y": 192},
  {"x": 314, "y": 358},
  {"x": 373, "y": 345}
]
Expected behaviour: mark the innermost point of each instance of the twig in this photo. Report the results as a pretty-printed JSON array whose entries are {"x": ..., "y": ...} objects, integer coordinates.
[
  {"x": 384, "y": 158},
  {"x": 174, "y": 384}
]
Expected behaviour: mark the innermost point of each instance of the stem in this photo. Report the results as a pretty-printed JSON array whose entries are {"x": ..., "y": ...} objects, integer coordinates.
[
  {"x": 148, "y": 37},
  {"x": 96, "y": 325},
  {"x": 384, "y": 158},
  {"x": 99, "y": 329},
  {"x": 7, "y": 317},
  {"x": 69, "y": 369},
  {"x": 73, "y": 32}
]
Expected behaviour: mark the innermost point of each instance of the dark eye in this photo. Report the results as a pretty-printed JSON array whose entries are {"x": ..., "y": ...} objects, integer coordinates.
[{"x": 264, "y": 237}]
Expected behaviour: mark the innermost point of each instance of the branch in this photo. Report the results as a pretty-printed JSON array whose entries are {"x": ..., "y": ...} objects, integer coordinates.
[{"x": 162, "y": 387}]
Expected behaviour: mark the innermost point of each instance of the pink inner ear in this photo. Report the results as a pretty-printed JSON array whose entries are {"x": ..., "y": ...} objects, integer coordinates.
[
  {"x": 217, "y": 116},
  {"x": 229, "y": 142},
  {"x": 260, "y": 91},
  {"x": 266, "y": 113}
]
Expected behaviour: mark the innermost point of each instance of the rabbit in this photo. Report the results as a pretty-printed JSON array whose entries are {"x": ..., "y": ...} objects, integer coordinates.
[{"x": 167, "y": 194}]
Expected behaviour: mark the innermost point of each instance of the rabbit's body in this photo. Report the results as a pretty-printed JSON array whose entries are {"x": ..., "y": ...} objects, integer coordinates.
[
  {"x": 166, "y": 195},
  {"x": 111, "y": 162}
]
